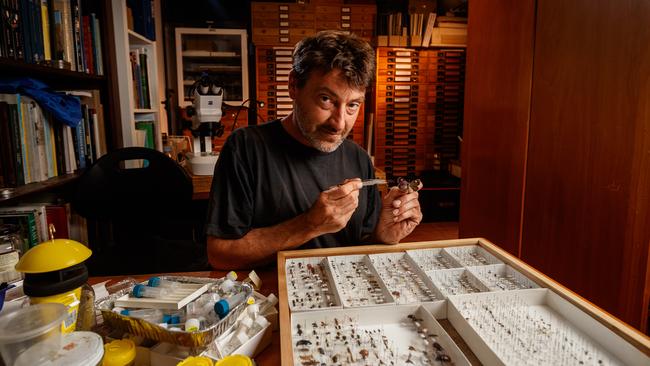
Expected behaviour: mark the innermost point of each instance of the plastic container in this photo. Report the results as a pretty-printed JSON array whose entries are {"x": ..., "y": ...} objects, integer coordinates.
[
  {"x": 54, "y": 272},
  {"x": 150, "y": 292},
  {"x": 235, "y": 360},
  {"x": 10, "y": 238},
  {"x": 119, "y": 353},
  {"x": 196, "y": 361},
  {"x": 79, "y": 349},
  {"x": 27, "y": 327},
  {"x": 223, "y": 306}
]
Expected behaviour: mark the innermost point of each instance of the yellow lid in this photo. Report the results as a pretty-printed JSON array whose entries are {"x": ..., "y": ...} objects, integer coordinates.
[
  {"x": 235, "y": 360},
  {"x": 53, "y": 255},
  {"x": 196, "y": 361},
  {"x": 119, "y": 353}
]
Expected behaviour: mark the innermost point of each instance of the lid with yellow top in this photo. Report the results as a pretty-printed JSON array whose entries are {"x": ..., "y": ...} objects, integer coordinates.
[
  {"x": 53, "y": 255},
  {"x": 196, "y": 361},
  {"x": 119, "y": 353},
  {"x": 235, "y": 360}
]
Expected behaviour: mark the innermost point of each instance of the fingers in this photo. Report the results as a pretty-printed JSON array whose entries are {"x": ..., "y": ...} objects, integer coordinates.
[
  {"x": 344, "y": 189},
  {"x": 403, "y": 205}
]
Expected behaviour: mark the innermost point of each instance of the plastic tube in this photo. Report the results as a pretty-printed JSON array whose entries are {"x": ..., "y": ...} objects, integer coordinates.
[
  {"x": 159, "y": 282},
  {"x": 150, "y": 315},
  {"x": 223, "y": 306},
  {"x": 150, "y": 292}
]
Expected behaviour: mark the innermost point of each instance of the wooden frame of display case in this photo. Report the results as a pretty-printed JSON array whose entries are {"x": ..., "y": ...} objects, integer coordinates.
[{"x": 625, "y": 331}]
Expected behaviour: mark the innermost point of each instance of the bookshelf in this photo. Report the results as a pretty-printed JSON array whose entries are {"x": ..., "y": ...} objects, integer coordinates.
[
  {"x": 84, "y": 73},
  {"x": 136, "y": 69}
]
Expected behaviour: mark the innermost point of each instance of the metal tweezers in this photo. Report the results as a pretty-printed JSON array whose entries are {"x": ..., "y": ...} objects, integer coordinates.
[{"x": 372, "y": 182}]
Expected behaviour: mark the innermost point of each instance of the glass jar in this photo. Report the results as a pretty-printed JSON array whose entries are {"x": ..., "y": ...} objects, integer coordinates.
[{"x": 10, "y": 238}]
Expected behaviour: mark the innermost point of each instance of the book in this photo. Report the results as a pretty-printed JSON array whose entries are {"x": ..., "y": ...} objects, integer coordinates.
[
  {"x": 57, "y": 215},
  {"x": 7, "y": 154},
  {"x": 63, "y": 27},
  {"x": 45, "y": 26}
]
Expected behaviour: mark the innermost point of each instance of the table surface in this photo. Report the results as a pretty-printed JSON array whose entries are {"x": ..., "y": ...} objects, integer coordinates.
[{"x": 269, "y": 276}]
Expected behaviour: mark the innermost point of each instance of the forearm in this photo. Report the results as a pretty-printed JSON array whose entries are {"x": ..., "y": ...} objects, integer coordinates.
[{"x": 259, "y": 246}]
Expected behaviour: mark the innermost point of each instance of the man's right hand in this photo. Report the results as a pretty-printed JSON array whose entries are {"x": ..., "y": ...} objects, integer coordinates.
[{"x": 334, "y": 207}]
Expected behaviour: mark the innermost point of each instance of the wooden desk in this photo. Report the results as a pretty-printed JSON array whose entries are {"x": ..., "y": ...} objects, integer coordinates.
[{"x": 269, "y": 276}]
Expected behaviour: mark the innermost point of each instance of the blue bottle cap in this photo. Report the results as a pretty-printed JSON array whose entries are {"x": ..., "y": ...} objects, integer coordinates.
[
  {"x": 125, "y": 312},
  {"x": 167, "y": 318},
  {"x": 138, "y": 290},
  {"x": 174, "y": 319},
  {"x": 221, "y": 307},
  {"x": 154, "y": 282}
]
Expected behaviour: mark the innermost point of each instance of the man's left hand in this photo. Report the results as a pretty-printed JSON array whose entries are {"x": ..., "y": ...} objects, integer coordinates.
[{"x": 400, "y": 214}]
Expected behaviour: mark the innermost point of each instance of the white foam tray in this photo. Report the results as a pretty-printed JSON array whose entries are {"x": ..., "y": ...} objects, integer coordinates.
[
  {"x": 583, "y": 328},
  {"x": 346, "y": 290},
  {"x": 325, "y": 272},
  {"x": 179, "y": 297},
  {"x": 392, "y": 321}
]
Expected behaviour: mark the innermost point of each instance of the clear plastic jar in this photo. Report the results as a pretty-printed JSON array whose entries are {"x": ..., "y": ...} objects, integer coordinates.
[{"x": 10, "y": 238}]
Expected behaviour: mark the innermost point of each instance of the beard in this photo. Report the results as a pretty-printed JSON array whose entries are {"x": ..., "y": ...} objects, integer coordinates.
[{"x": 302, "y": 121}]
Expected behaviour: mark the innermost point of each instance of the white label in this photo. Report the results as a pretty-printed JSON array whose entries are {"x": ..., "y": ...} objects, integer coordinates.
[
  {"x": 282, "y": 87},
  {"x": 283, "y": 59},
  {"x": 284, "y": 7},
  {"x": 284, "y": 31},
  {"x": 402, "y": 72},
  {"x": 345, "y": 17},
  {"x": 282, "y": 78},
  {"x": 282, "y": 94},
  {"x": 279, "y": 52},
  {"x": 285, "y": 100},
  {"x": 345, "y": 10},
  {"x": 403, "y": 78},
  {"x": 402, "y": 53},
  {"x": 345, "y": 25},
  {"x": 401, "y": 99},
  {"x": 285, "y": 106},
  {"x": 403, "y": 59},
  {"x": 283, "y": 66},
  {"x": 403, "y": 66},
  {"x": 282, "y": 72},
  {"x": 284, "y": 24},
  {"x": 284, "y": 39},
  {"x": 402, "y": 87},
  {"x": 284, "y": 16}
]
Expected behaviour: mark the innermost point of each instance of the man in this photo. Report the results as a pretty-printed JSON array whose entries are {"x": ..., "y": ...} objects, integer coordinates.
[{"x": 296, "y": 182}]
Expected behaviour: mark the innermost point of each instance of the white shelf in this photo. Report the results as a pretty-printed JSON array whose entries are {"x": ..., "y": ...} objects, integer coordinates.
[
  {"x": 125, "y": 42},
  {"x": 138, "y": 39}
]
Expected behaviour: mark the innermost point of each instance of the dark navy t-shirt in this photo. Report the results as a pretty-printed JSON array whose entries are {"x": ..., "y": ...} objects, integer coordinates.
[{"x": 264, "y": 177}]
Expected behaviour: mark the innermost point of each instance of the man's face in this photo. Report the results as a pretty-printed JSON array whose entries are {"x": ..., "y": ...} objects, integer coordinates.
[{"x": 325, "y": 109}]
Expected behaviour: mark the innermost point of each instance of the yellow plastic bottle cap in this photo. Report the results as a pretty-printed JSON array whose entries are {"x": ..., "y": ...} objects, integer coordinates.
[
  {"x": 119, "y": 353},
  {"x": 196, "y": 361},
  {"x": 235, "y": 360},
  {"x": 53, "y": 255}
]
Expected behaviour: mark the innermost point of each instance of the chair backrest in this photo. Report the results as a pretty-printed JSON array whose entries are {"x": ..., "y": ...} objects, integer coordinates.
[
  {"x": 137, "y": 217},
  {"x": 109, "y": 190}
]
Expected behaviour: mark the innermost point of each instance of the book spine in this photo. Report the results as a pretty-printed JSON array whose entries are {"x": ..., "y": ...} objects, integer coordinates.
[
  {"x": 45, "y": 24},
  {"x": 144, "y": 73},
  {"x": 18, "y": 147},
  {"x": 97, "y": 46}
]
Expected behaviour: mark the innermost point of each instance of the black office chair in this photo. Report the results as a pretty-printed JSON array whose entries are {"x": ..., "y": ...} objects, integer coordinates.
[{"x": 139, "y": 219}]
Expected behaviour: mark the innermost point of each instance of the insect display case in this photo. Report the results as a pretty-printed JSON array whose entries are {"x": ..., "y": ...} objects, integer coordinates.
[{"x": 447, "y": 302}]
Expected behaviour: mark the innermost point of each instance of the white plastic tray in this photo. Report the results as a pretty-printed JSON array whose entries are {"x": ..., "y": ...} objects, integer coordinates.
[
  {"x": 178, "y": 297},
  {"x": 502, "y": 277},
  {"x": 472, "y": 255}
]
